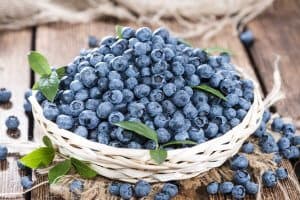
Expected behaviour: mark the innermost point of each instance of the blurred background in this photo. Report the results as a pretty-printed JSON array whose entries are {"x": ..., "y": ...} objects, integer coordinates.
[{"x": 254, "y": 30}]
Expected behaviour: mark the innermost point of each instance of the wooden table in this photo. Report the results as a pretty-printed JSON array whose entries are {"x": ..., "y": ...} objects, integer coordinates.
[{"x": 276, "y": 32}]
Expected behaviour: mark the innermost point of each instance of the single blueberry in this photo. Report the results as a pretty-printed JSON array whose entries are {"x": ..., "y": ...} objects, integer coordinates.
[
  {"x": 269, "y": 178},
  {"x": 212, "y": 188},
  {"x": 142, "y": 188}
]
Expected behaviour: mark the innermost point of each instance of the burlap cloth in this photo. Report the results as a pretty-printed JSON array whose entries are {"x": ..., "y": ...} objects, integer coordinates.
[{"x": 195, "y": 15}]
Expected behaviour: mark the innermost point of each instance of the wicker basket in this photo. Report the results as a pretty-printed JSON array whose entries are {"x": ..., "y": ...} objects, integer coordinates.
[{"x": 130, "y": 165}]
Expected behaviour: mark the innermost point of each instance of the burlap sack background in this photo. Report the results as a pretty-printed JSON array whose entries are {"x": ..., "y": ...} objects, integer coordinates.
[{"x": 195, "y": 15}]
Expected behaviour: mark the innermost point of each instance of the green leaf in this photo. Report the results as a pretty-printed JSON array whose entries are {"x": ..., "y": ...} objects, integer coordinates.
[
  {"x": 182, "y": 41},
  {"x": 35, "y": 86},
  {"x": 210, "y": 90},
  {"x": 47, "y": 142},
  {"x": 179, "y": 142},
  {"x": 59, "y": 170},
  {"x": 48, "y": 85},
  {"x": 212, "y": 50},
  {"x": 119, "y": 31},
  {"x": 139, "y": 128},
  {"x": 61, "y": 71},
  {"x": 39, "y": 63},
  {"x": 83, "y": 169},
  {"x": 158, "y": 155},
  {"x": 40, "y": 157}
]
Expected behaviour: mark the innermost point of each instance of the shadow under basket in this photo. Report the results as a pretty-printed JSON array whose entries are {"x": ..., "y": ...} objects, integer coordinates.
[{"x": 131, "y": 165}]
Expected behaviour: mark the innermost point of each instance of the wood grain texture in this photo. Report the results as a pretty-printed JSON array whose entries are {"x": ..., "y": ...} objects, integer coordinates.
[
  {"x": 277, "y": 32},
  {"x": 15, "y": 76}
]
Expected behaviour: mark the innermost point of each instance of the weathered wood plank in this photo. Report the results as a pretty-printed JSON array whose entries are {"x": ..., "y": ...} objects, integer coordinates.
[
  {"x": 14, "y": 75},
  {"x": 277, "y": 32}
]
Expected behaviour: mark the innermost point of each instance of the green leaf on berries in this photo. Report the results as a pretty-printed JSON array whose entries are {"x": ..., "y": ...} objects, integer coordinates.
[
  {"x": 212, "y": 50},
  {"x": 47, "y": 142},
  {"x": 61, "y": 71},
  {"x": 140, "y": 129},
  {"x": 48, "y": 85},
  {"x": 40, "y": 157},
  {"x": 179, "y": 143},
  {"x": 119, "y": 31},
  {"x": 83, "y": 169},
  {"x": 39, "y": 63},
  {"x": 210, "y": 90},
  {"x": 159, "y": 155},
  {"x": 35, "y": 86},
  {"x": 59, "y": 170},
  {"x": 182, "y": 41}
]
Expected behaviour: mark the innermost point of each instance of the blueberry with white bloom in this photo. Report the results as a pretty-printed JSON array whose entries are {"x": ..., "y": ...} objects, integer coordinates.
[
  {"x": 142, "y": 188},
  {"x": 26, "y": 182},
  {"x": 5, "y": 95},
  {"x": 76, "y": 186},
  {"x": 88, "y": 119},
  {"x": 212, "y": 188},
  {"x": 269, "y": 178},
  {"x": 12, "y": 123}
]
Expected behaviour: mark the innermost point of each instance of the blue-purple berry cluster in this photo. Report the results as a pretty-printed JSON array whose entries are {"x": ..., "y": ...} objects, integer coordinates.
[{"x": 148, "y": 77}]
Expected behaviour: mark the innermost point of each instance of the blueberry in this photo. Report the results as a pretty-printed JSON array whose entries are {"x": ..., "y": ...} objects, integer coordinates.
[
  {"x": 197, "y": 135},
  {"x": 181, "y": 98},
  {"x": 92, "y": 41},
  {"x": 68, "y": 96},
  {"x": 132, "y": 71},
  {"x": 226, "y": 187},
  {"x": 64, "y": 121},
  {"x": 277, "y": 158},
  {"x": 114, "y": 188},
  {"x": 136, "y": 109},
  {"x": 142, "y": 188},
  {"x": 177, "y": 68},
  {"x": 260, "y": 131},
  {"x": 160, "y": 121},
  {"x": 283, "y": 143},
  {"x": 102, "y": 84},
  {"x": 189, "y": 90},
  {"x": 251, "y": 187},
  {"x": 163, "y": 135},
  {"x": 170, "y": 189},
  {"x": 190, "y": 111},
  {"x": 204, "y": 109},
  {"x": 12, "y": 123},
  {"x": 212, "y": 188},
  {"x": 248, "y": 147},
  {"x": 241, "y": 113},
  {"x": 76, "y": 186},
  {"x": 238, "y": 192},
  {"x": 211, "y": 130},
  {"x": 239, "y": 162},
  {"x": 88, "y": 76},
  {"x": 116, "y": 84},
  {"x": 244, "y": 104},
  {"x": 241, "y": 177},
  {"x": 150, "y": 144},
  {"x": 234, "y": 122},
  {"x": 204, "y": 71},
  {"x": 104, "y": 127},
  {"x": 266, "y": 116},
  {"x": 247, "y": 37},
  {"x": 277, "y": 124},
  {"x": 157, "y": 81},
  {"x": 27, "y": 94},
  {"x": 131, "y": 83},
  {"x": 50, "y": 111},
  {"x": 143, "y": 34},
  {"x": 268, "y": 144},
  {"x": 92, "y": 104},
  {"x": 291, "y": 153},
  {"x": 288, "y": 128},
  {"x": 295, "y": 140},
  {"x": 269, "y": 178},
  {"x": 177, "y": 121},
  {"x": 126, "y": 191},
  {"x": 81, "y": 131},
  {"x": 118, "y": 47},
  {"x": 162, "y": 32},
  {"x": 76, "y": 107},
  {"x": 157, "y": 55},
  {"x": 281, "y": 173},
  {"x": 113, "y": 96},
  {"x": 127, "y": 32},
  {"x": 229, "y": 113},
  {"x": 26, "y": 182},
  {"x": 215, "y": 80},
  {"x": 3, "y": 152},
  {"x": 103, "y": 138},
  {"x": 141, "y": 90},
  {"x": 134, "y": 145},
  {"x": 227, "y": 86},
  {"x": 159, "y": 67},
  {"x": 220, "y": 120},
  {"x": 169, "y": 54},
  {"x": 102, "y": 69},
  {"x": 82, "y": 95},
  {"x": 5, "y": 95},
  {"x": 169, "y": 89},
  {"x": 215, "y": 110},
  {"x": 115, "y": 117},
  {"x": 168, "y": 107},
  {"x": 181, "y": 135},
  {"x": 193, "y": 80},
  {"x": 180, "y": 82},
  {"x": 161, "y": 196},
  {"x": 108, "y": 40},
  {"x": 119, "y": 63},
  {"x": 200, "y": 121},
  {"x": 157, "y": 95},
  {"x": 88, "y": 119},
  {"x": 140, "y": 48},
  {"x": 232, "y": 100},
  {"x": 154, "y": 108}
]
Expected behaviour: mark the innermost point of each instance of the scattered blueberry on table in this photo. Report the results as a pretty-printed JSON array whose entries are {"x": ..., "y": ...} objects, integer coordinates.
[
  {"x": 12, "y": 123},
  {"x": 76, "y": 186},
  {"x": 3, "y": 152},
  {"x": 5, "y": 95}
]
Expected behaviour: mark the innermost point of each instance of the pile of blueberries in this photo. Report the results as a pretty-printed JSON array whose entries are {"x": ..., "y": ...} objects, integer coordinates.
[
  {"x": 147, "y": 77},
  {"x": 286, "y": 146}
]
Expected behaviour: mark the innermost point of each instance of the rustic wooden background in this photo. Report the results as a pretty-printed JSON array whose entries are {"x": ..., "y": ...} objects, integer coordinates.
[{"x": 277, "y": 31}]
